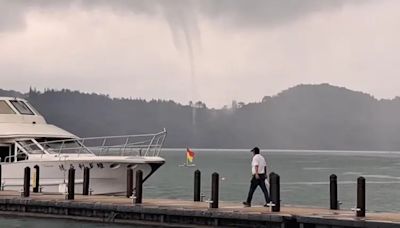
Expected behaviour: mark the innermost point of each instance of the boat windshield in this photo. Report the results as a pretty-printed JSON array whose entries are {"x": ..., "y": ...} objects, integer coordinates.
[
  {"x": 21, "y": 107},
  {"x": 31, "y": 146}
]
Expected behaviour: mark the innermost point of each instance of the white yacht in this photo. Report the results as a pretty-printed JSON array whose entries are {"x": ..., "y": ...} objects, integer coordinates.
[{"x": 26, "y": 140}]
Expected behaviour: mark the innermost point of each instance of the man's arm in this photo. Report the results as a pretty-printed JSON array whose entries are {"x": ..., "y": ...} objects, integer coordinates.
[{"x": 256, "y": 175}]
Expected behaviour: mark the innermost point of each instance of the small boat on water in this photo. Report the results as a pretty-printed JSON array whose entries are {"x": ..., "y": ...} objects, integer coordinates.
[
  {"x": 189, "y": 158},
  {"x": 27, "y": 140}
]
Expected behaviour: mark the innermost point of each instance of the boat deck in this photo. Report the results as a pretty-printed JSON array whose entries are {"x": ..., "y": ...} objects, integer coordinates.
[{"x": 12, "y": 201}]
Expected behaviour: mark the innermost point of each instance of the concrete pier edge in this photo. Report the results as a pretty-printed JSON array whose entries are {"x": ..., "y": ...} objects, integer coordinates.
[{"x": 171, "y": 216}]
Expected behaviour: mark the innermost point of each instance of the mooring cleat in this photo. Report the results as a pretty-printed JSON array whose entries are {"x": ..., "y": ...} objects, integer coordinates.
[
  {"x": 210, "y": 202},
  {"x": 356, "y": 209},
  {"x": 338, "y": 204},
  {"x": 270, "y": 205}
]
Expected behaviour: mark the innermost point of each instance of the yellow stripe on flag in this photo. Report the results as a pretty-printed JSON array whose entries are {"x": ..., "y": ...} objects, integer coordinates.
[{"x": 189, "y": 156}]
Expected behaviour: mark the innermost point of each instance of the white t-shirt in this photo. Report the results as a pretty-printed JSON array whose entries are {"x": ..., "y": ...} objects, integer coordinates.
[{"x": 259, "y": 160}]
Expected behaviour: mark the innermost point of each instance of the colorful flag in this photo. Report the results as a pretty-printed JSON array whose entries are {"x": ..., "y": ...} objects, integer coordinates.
[{"x": 189, "y": 154}]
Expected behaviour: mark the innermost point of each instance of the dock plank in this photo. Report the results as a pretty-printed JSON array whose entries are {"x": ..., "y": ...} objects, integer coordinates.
[{"x": 227, "y": 208}]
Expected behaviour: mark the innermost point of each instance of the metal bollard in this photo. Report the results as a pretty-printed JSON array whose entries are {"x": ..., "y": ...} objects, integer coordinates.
[
  {"x": 275, "y": 192},
  {"x": 214, "y": 190},
  {"x": 86, "y": 177},
  {"x": 333, "y": 192},
  {"x": 197, "y": 182},
  {"x": 360, "y": 210},
  {"x": 139, "y": 186},
  {"x": 71, "y": 184},
  {"x": 36, "y": 178},
  {"x": 129, "y": 182},
  {"x": 27, "y": 181}
]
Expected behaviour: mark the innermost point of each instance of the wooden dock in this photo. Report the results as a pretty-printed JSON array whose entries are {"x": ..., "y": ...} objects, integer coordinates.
[{"x": 179, "y": 213}]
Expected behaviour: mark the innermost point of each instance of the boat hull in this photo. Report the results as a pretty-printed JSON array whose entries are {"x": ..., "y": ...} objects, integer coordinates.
[{"x": 106, "y": 177}]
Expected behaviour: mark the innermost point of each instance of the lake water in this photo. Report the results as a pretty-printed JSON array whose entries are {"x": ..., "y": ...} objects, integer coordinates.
[
  {"x": 304, "y": 177},
  {"x": 22, "y": 222}
]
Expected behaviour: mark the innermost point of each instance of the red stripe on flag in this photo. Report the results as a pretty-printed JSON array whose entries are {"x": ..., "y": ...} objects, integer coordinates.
[{"x": 189, "y": 152}]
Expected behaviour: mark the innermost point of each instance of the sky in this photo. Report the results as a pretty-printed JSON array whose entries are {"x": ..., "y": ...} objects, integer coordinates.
[{"x": 207, "y": 50}]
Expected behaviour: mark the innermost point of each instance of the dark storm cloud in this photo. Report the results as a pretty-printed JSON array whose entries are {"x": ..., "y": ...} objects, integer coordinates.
[
  {"x": 12, "y": 13},
  {"x": 234, "y": 12},
  {"x": 261, "y": 12}
]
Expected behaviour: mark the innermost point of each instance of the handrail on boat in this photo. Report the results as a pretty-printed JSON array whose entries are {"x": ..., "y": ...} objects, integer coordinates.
[{"x": 142, "y": 144}]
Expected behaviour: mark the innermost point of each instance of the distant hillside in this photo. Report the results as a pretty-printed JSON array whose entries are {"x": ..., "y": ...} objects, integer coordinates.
[
  {"x": 11, "y": 93},
  {"x": 302, "y": 117}
]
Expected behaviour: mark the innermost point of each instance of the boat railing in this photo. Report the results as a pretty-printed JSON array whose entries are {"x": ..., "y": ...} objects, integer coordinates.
[
  {"x": 9, "y": 158},
  {"x": 126, "y": 145}
]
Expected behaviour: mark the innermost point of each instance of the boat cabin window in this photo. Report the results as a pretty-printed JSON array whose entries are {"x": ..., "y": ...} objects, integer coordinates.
[
  {"x": 5, "y": 151},
  {"x": 22, "y": 157},
  {"x": 22, "y": 107},
  {"x": 5, "y": 108}
]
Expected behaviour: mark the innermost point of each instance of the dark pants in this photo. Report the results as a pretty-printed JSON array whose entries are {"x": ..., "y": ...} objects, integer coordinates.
[{"x": 258, "y": 182}]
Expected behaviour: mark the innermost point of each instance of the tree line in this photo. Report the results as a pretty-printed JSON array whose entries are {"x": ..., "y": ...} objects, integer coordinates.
[{"x": 318, "y": 117}]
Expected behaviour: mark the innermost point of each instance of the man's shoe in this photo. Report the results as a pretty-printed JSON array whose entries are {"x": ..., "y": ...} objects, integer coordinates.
[
  {"x": 246, "y": 204},
  {"x": 266, "y": 205}
]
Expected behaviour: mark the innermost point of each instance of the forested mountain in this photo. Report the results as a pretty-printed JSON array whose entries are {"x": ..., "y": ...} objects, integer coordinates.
[
  {"x": 11, "y": 93},
  {"x": 302, "y": 117}
]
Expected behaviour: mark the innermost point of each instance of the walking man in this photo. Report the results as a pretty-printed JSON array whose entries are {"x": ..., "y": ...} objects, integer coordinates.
[{"x": 258, "y": 169}]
